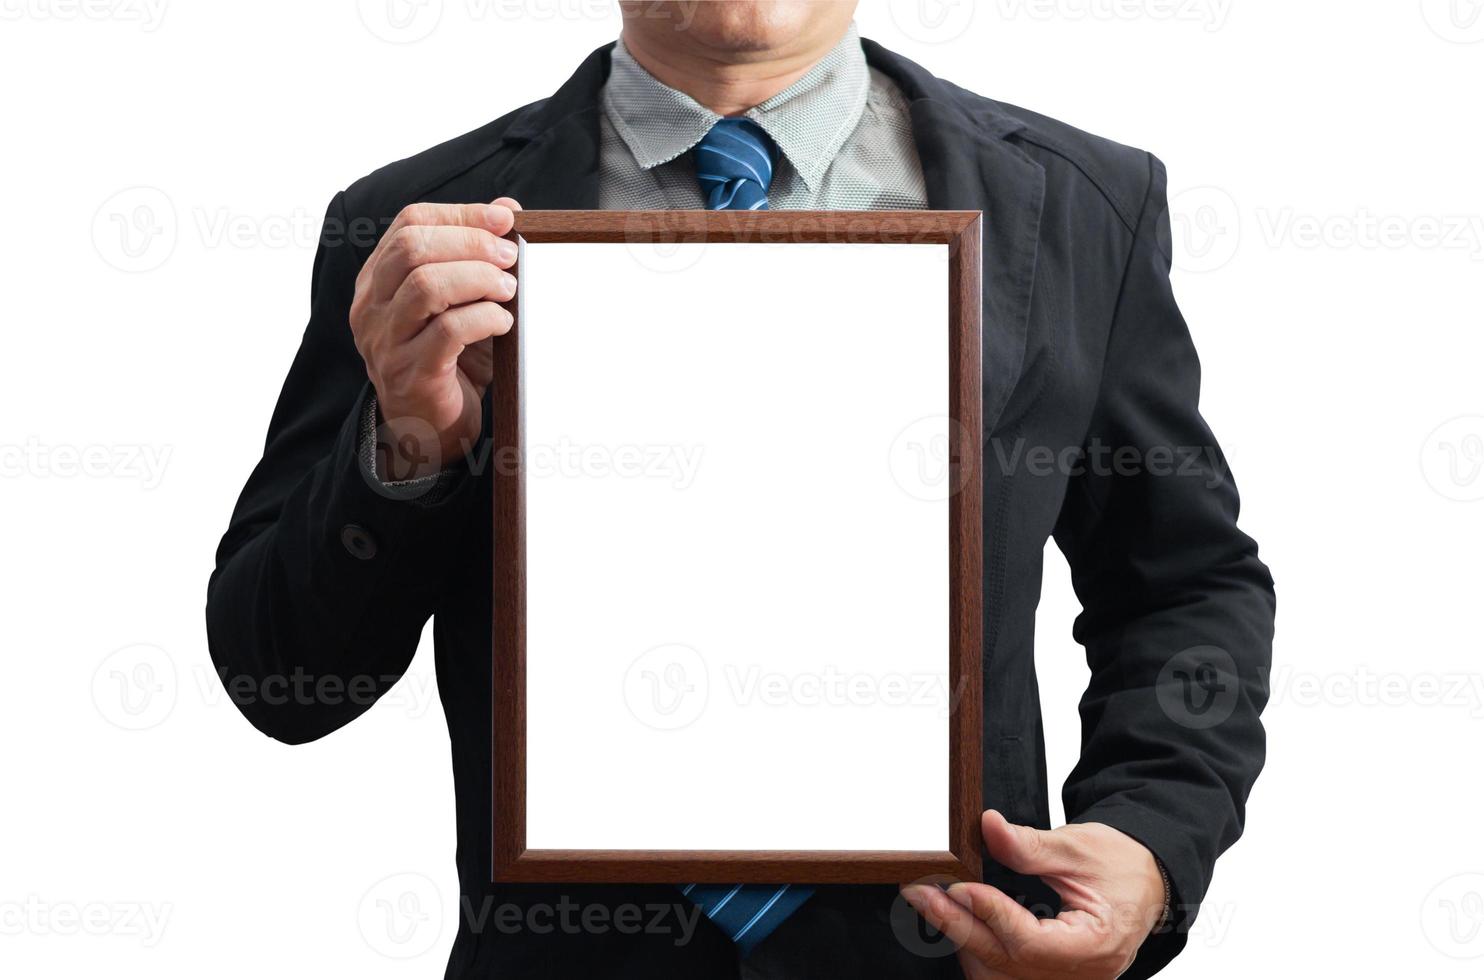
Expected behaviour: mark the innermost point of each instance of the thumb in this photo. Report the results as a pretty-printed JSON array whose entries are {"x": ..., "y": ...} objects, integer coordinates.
[
  {"x": 1026, "y": 850},
  {"x": 508, "y": 202}
]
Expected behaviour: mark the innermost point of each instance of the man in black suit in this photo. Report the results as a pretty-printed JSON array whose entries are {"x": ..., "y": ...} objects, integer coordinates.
[{"x": 363, "y": 518}]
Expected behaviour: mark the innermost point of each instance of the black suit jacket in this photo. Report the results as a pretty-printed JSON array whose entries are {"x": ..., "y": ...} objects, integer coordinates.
[{"x": 323, "y": 584}]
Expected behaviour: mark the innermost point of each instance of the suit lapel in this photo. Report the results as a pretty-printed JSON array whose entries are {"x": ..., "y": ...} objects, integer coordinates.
[
  {"x": 556, "y": 165},
  {"x": 966, "y": 161},
  {"x": 968, "y": 165}
]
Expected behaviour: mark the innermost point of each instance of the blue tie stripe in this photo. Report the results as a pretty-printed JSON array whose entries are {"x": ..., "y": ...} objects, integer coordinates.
[
  {"x": 734, "y": 164},
  {"x": 748, "y": 913}
]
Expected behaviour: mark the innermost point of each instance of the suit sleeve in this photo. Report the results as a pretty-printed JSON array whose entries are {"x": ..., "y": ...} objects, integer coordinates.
[
  {"x": 325, "y": 577},
  {"x": 1177, "y": 609}
]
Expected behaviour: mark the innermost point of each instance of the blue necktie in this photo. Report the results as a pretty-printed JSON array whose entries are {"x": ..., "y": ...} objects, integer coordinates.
[
  {"x": 747, "y": 913},
  {"x": 734, "y": 163}
]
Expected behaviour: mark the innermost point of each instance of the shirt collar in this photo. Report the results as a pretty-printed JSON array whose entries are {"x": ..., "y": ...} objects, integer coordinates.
[{"x": 810, "y": 120}]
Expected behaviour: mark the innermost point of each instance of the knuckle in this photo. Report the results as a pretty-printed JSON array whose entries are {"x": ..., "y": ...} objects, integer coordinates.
[
  {"x": 446, "y": 327},
  {"x": 358, "y": 337},
  {"x": 465, "y": 216},
  {"x": 494, "y": 247},
  {"x": 410, "y": 244},
  {"x": 374, "y": 367},
  {"x": 480, "y": 244},
  {"x": 478, "y": 318},
  {"x": 414, "y": 214},
  {"x": 424, "y": 281}
]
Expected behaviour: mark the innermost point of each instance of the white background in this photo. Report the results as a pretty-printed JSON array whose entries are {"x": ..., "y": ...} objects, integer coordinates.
[
  {"x": 1325, "y": 161},
  {"x": 749, "y": 564}
]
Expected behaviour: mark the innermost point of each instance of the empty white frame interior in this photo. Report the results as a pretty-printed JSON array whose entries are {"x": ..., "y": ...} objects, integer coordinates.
[{"x": 737, "y": 546}]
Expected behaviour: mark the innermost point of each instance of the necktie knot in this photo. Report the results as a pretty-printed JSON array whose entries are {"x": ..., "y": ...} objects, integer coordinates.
[{"x": 734, "y": 163}]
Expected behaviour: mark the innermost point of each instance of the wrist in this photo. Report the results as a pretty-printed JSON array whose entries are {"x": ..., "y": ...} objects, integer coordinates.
[{"x": 408, "y": 448}]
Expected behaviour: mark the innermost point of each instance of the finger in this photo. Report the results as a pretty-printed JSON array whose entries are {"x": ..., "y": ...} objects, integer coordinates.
[
  {"x": 430, "y": 290},
  {"x": 1012, "y": 924},
  {"x": 1069, "y": 939},
  {"x": 1028, "y": 850},
  {"x": 513, "y": 205},
  {"x": 417, "y": 245},
  {"x": 443, "y": 340},
  {"x": 493, "y": 218},
  {"x": 970, "y": 935}
]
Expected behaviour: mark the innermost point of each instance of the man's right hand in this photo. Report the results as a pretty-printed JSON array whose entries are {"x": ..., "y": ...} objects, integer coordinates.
[{"x": 425, "y": 302}]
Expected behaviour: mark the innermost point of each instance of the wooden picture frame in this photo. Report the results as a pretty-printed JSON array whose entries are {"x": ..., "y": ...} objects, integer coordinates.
[{"x": 512, "y": 860}]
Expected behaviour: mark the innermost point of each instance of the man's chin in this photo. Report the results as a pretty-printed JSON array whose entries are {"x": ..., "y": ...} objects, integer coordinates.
[
  {"x": 747, "y": 28},
  {"x": 742, "y": 43}
]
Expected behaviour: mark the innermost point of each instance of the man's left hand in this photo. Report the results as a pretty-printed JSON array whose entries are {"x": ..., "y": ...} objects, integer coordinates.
[{"x": 1112, "y": 896}]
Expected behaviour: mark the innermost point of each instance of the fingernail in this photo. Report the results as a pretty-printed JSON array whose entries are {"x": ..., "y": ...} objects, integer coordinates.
[
  {"x": 961, "y": 896},
  {"x": 506, "y": 250},
  {"x": 917, "y": 896},
  {"x": 509, "y": 283}
]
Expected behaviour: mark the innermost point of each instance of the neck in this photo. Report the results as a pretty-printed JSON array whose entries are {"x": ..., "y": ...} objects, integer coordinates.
[{"x": 719, "y": 80}]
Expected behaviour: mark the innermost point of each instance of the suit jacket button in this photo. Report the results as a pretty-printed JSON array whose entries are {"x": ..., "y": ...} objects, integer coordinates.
[{"x": 358, "y": 541}]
